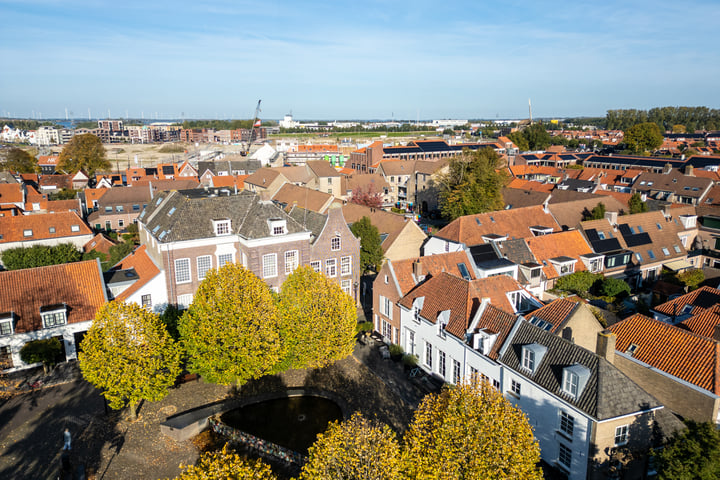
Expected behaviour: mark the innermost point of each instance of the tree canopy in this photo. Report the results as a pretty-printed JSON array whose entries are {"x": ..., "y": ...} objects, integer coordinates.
[
  {"x": 367, "y": 196},
  {"x": 43, "y": 351},
  {"x": 473, "y": 184},
  {"x": 692, "y": 455},
  {"x": 317, "y": 321},
  {"x": 226, "y": 465},
  {"x": 129, "y": 355},
  {"x": 18, "y": 160},
  {"x": 230, "y": 331},
  {"x": 636, "y": 204},
  {"x": 532, "y": 137},
  {"x": 597, "y": 213},
  {"x": 83, "y": 152},
  {"x": 643, "y": 137},
  {"x": 40, "y": 256},
  {"x": 371, "y": 252},
  {"x": 470, "y": 431},
  {"x": 680, "y": 119},
  {"x": 356, "y": 449}
]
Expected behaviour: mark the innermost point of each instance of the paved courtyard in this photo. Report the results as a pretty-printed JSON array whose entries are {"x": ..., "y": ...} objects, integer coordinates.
[{"x": 108, "y": 446}]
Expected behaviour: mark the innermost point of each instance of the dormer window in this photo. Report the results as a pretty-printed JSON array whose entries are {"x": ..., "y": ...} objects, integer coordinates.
[
  {"x": 574, "y": 380},
  {"x": 7, "y": 323},
  {"x": 532, "y": 355},
  {"x": 278, "y": 226},
  {"x": 539, "y": 230},
  {"x": 53, "y": 315},
  {"x": 442, "y": 321},
  {"x": 221, "y": 227},
  {"x": 417, "y": 307},
  {"x": 564, "y": 265}
]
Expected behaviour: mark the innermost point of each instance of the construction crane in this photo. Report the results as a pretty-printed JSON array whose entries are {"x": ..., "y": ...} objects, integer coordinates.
[{"x": 256, "y": 123}]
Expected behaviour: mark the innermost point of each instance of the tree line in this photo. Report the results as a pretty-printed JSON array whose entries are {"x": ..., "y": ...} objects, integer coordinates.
[{"x": 691, "y": 118}]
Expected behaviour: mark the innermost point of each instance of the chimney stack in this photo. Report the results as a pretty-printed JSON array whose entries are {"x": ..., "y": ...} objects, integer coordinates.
[
  {"x": 567, "y": 334},
  {"x": 417, "y": 270},
  {"x": 716, "y": 333},
  {"x": 689, "y": 171},
  {"x": 605, "y": 346}
]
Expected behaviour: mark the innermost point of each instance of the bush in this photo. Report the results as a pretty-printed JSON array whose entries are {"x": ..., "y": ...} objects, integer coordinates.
[
  {"x": 614, "y": 287},
  {"x": 692, "y": 278},
  {"x": 396, "y": 349},
  {"x": 578, "y": 282},
  {"x": 45, "y": 351},
  {"x": 172, "y": 148},
  {"x": 365, "y": 327},
  {"x": 410, "y": 360}
]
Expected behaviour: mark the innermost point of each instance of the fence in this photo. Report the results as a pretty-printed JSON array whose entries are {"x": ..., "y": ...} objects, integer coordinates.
[{"x": 262, "y": 447}]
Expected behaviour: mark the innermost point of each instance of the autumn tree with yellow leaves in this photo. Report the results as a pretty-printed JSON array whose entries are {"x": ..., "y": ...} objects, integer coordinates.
[
  {"x": 226, "y": 465},
  {"x": 357, "y": 448},
  {"x": 129, "y": 355},
  {"x": 317, "y": 321},
  {"x": 470, "y": 431},
  {"x": 230, "y": 331}
]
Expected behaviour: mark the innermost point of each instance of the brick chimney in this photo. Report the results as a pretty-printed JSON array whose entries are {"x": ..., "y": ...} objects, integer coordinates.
[
  {"x": 605, "y": 346},
  {"x": 567, "y": 334},
  {"x": 689, "y": 170},
  {"x": 716, "y": 333},
  {"x": 417, "y": 269}
]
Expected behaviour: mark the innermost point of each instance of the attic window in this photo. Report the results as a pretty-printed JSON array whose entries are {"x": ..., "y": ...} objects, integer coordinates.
[
  {"x": 632, "y": 349},
  {"x": 51, "y": 230},
  {"x": 659, "y": 226},
  {"x": 477, "y": 220},
  {"x": 221, "y": 227},
  {"x": 6, "y": 323},
  {"x": 574, "y": 380},
  {"x": 74, "y": 228},
  {"x": 676, "y": 248},
  {"x": 171, "y": 211},
  {"x": 27, "y": 233},
  {"x": 665, "y": 251},
  {"x": 53, "y": 315},
  {"x": 158, "y": 201},
  {"x": 157, "y": 227},
  {"x": 532, "y": 356},
  {"x": 278, "y": 226},
  {"x": 463, "y": 271},
  {"x": 686, "y": 310}
]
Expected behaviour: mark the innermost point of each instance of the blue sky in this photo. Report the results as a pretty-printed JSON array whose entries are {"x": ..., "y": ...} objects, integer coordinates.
[{"x": 355, "y": 60}]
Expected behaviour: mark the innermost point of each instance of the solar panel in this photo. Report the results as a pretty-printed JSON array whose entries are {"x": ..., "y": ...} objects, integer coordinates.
[{"x": 637, "y": 239}]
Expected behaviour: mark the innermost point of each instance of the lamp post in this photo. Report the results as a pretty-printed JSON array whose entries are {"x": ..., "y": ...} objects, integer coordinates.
[{"x": 355, "y": 289}]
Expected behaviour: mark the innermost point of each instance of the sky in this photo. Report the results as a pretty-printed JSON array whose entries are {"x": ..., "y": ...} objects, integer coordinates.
[{"x": 366, "y": 59}]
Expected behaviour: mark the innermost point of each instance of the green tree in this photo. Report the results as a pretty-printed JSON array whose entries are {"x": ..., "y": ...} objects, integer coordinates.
[
  {"x": 470, "y": 431},
  {"x": 317, "y": 321},
  {"x": 597, "y": 213},
  {"x": 64, "y": 194},
  {"x": 120, "y": 251},
  {"x": 519, "y": 140},
  {"x": 41, "y": 351},
  {"x": 170, "y": 318},
  {"x": 692, "y": 278},
  {"x": 226, "y": 465},
  {"x": 230, "y": 331},
  {"x": 129, "y": 355},
  {"x": 371, "y": 252},
  {"x": 40, "y": 256},
  {"x": 577, "y": 282},
  {"x": 644, "y": 137},
  {"x": 636, "y": 204},
  {"x": 692, "y": 455},
  {"x": 473, "y": 184},
  {"x": 18, "y": 160},
  {"x": 613, "y": 287},
  {"x": 356, "y": 449},
  {"x": 83, "y": 152}
]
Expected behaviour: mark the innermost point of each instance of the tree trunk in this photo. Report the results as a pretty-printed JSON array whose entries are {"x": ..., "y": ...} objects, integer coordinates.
[{"x": 133, "y": 411}]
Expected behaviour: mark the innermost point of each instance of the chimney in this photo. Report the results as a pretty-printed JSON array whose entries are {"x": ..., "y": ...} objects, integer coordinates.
[
  {"x": 689, "y": 171},
  {"x": 567, "y": 334},
  {"x": 667, "y": 168},
  {"x": 417, "y": 269},
  {"x": 605, "y": 346}
]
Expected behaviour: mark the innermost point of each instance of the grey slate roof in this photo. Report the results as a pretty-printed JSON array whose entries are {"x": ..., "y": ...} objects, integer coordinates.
[
  {"x": 516, "y": 250},
  {"x": 608, "y": 392},
  {"x": 313, "y": 221},
  {"x": 195, "y": 210},
  {"x": 247, "y": 167}
]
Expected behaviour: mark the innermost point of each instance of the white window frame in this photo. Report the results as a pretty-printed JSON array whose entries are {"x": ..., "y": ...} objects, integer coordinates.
[
  {"x": 146, "y": 300},
  {"x": 565, "y": 454},
  {"x": 74, "y": 228},
  {"x": 456, "y": 372},
  {"x": 221, "y": 227},
  {"x": 59, "y": 317},
  {"x": 515, "y": 387},
  {"x": 202, "y": 269},
  {"x": 316, "y": 265},
  {"x": 428, "y": 355},
  {"x": 184, "y": 301},
  {"x": 528, "y": 359},
  {"x": 386, "y": 307},
  {"x": 223, "y": 259},
  {"x": 567, "y": 423},
  {"x": 335, "y": 243},
  {"x": 345, "y": 265},
  {"x": 346, "y": 286},
  {"x": 179, "y": 268},
  {"x": 571, "y": 383},
  {"x": 330, "y": 267},
  {"x": 621, "y": 435},
  {"x": 442, "y": 363},
  {"x": 269, "y": 265},
  {"x": 292, "y": 259},
  {"x": 9, "y": 322}
]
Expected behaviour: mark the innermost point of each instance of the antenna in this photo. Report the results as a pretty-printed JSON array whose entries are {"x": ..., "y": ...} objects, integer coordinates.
[{"x": 89, "y": 113}]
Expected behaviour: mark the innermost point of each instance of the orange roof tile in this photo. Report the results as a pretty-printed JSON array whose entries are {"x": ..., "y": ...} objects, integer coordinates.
[
  {"x": 99, "y": 243},
  {"x": 42, "y": 226},
  {"x": 144, "y": 267},
  {"x": 562, "y": 244},
  {"x": 432, "y": 265},
  {"x": 701, "y": 299},
  {"x": 11, "y": 193},
  {"x": 80, "y": 285},
  {"x": 704, "y": 323},
  {"x": 555, "y": 312},
  {"x": 93, "y": 194},
  {"x": 683, "y": 354}
]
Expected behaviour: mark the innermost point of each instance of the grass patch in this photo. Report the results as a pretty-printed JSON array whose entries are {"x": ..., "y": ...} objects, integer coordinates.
[{"x": 172, "y": 148}]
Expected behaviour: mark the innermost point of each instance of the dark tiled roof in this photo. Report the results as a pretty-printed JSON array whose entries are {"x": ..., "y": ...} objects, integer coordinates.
[
  {"x": 189, "y": 215},
  {"x": 310, "y": 220},
  {"x": 608, "y": 392}
]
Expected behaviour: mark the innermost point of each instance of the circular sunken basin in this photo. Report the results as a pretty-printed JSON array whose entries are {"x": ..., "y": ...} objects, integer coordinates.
[{"x": 292, "y": 422}]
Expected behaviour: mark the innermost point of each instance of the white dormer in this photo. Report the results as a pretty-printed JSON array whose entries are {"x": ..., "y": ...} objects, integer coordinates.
[
  {"x": 277, "y": 226},
  {"x": 222, "y": 226},
  {"x": 484, "y": 340},
  {"x": 564, "y": 265},
  {"x": 442, "y": 320},
  {"x": 574, "y": 380},
  {"x": 539, "y": 230},
  {"x": 417, "y": 307},
  {"x": 688, "y": 221},
  {"x": 531, "y": 357},
  {"x": 7, "y": 323}
]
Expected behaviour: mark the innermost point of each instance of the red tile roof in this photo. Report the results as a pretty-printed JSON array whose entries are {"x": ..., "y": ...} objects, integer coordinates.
[
  {"x": 432, "y": 265},
  {"x": 99, "y": 243},
  {"x": 555, "y": 312},
  {"x": 11, "y": 193},
  {"x": 13, "y": 228},
  {"x": 144, "y": 267},
  {"x": 704, "y": 323},
  {"x": 701, "y": 299},
  {"x": 683, "y": 354},
  {"x": 80, "y": 285},
  {"x": 562, "y": 244}
]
